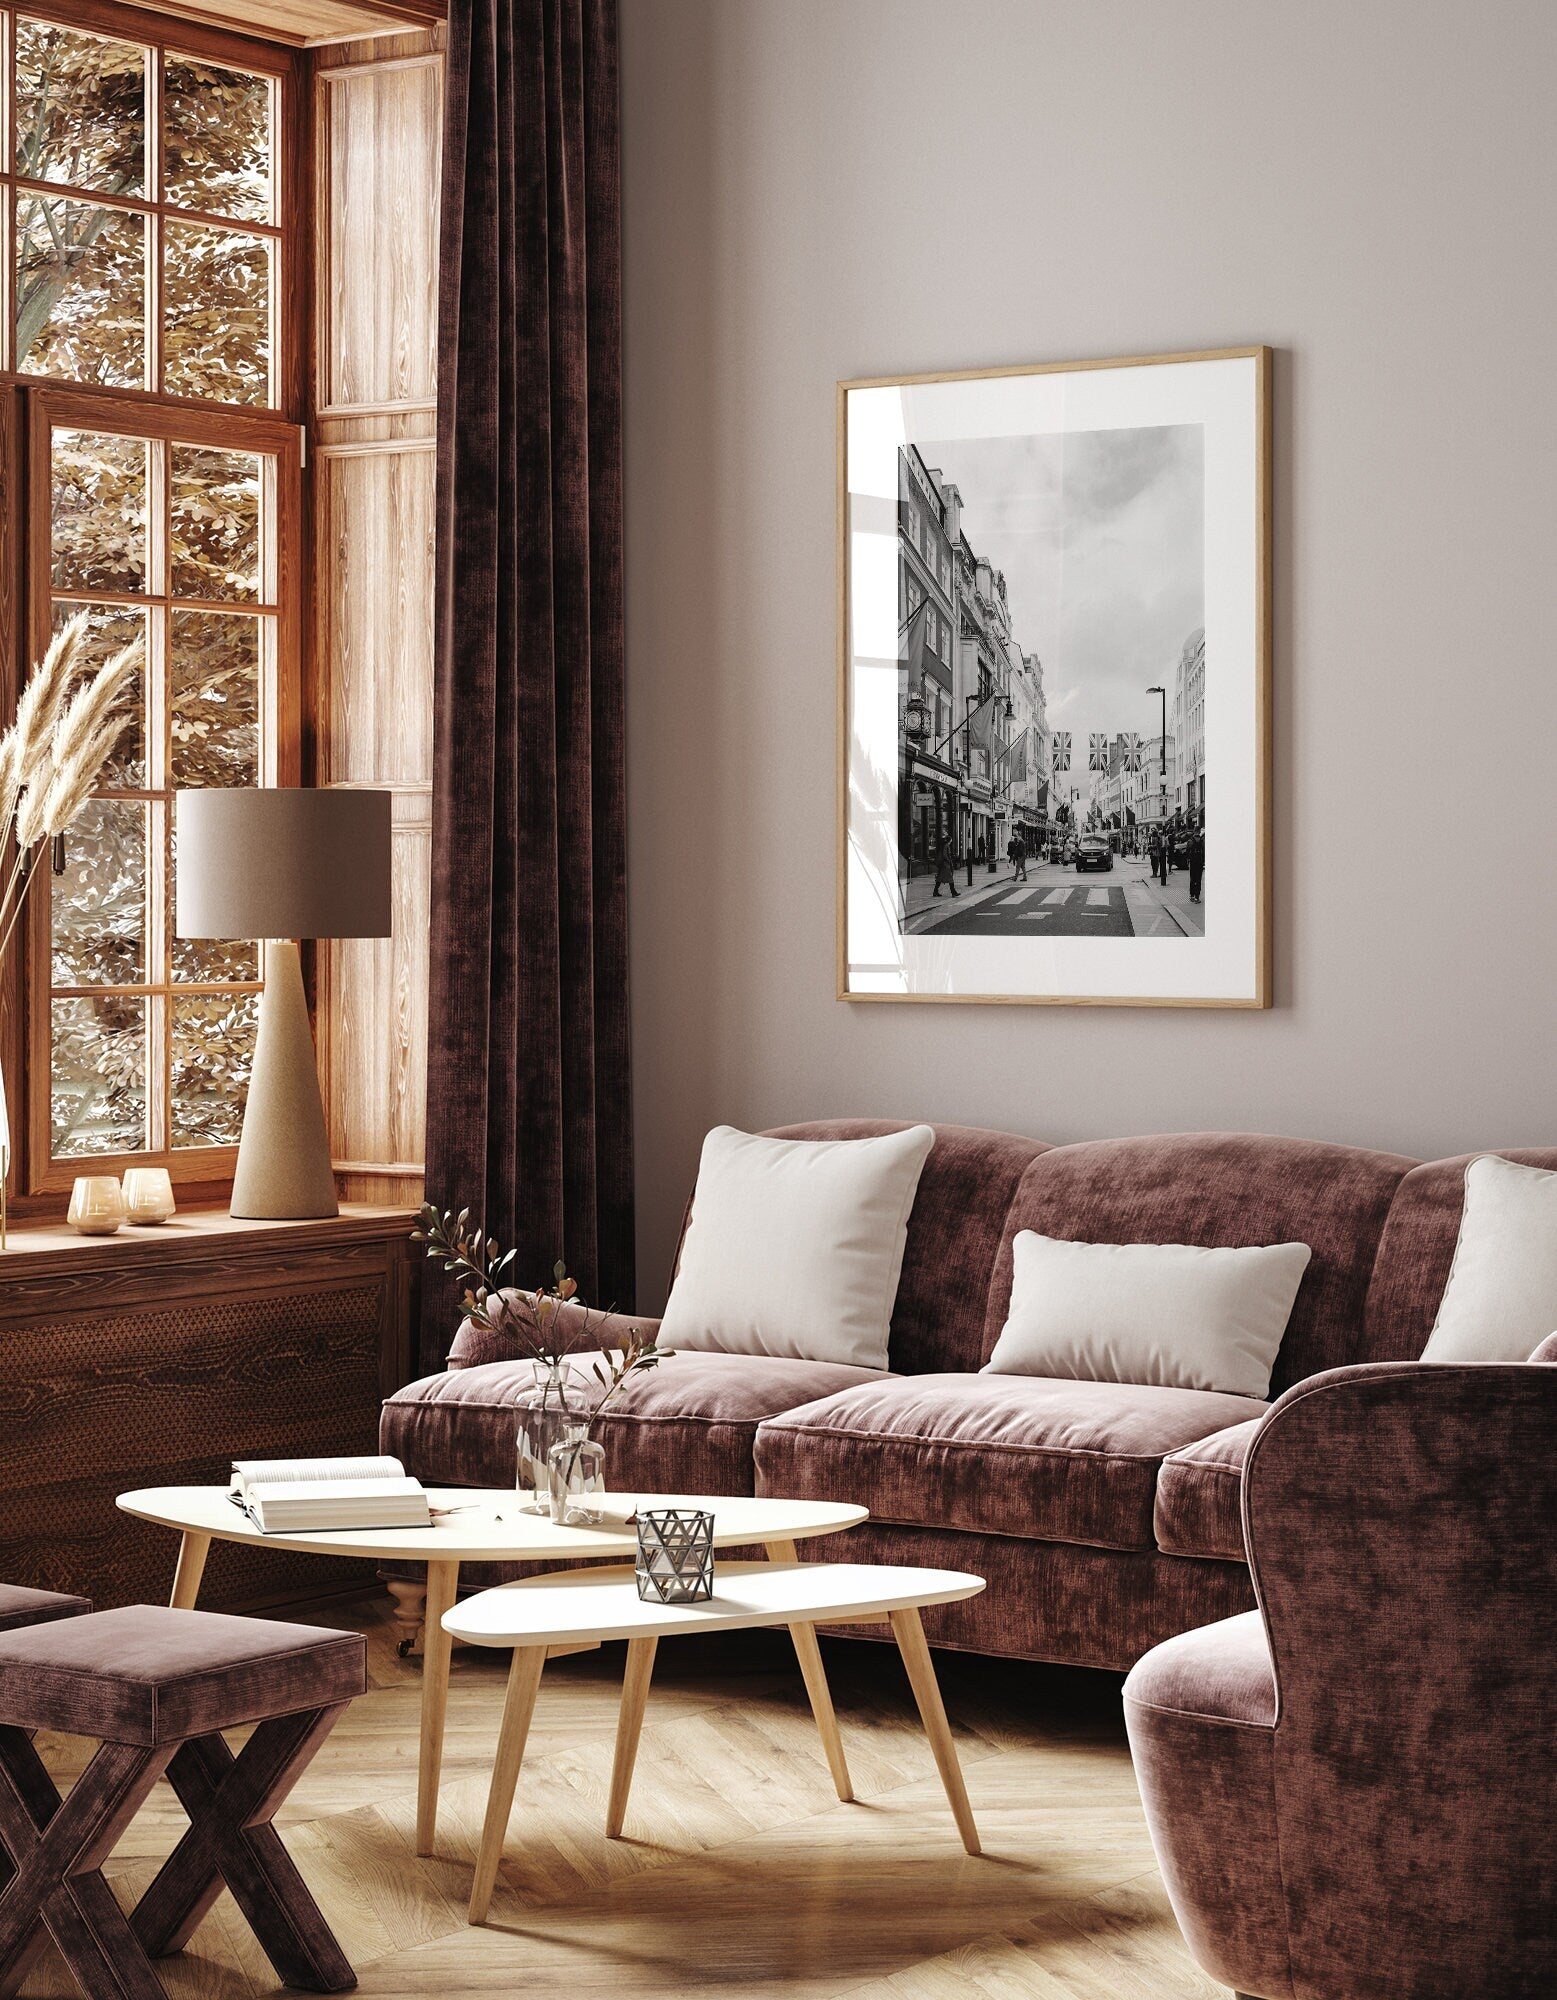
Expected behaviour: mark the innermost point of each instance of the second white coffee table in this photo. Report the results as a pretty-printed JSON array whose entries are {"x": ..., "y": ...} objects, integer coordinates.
[
  {"x": 598, "y": 1604},
  {"x": 487, "y": 1525}
]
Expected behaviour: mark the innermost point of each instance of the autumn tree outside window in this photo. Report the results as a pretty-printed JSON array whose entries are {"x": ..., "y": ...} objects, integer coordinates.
[{"x": 149, "y": 330}]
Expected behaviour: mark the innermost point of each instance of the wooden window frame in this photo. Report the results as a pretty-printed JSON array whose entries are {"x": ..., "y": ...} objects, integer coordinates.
[{"x": 31, "y": 405}]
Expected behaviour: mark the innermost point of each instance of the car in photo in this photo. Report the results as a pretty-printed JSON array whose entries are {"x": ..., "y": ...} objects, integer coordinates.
[{"x": 1092, "y": 851}]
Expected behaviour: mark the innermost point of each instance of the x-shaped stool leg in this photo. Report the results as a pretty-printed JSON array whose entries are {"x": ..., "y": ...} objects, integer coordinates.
[
  {"x": 230, "y": 1802},
  {"x": 57, "y": 1849}
]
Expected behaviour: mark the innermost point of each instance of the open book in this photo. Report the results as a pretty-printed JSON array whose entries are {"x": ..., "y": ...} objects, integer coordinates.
[{"x": 295, "y": 1496}]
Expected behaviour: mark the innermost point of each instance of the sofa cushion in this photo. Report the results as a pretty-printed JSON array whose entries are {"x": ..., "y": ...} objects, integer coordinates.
[
  {"x": 794, "y": 1246},
  {"x": 954, "y": 1231},
  {"x": 683, "y": 1427},
  {"x": 1416, "y": 1253},
  {"x": 20, "y": 1607},
  {"x": 1223, "y": 1190},
  {"x": 1199, "y": 1510},
  {"x": 994, "y": 1454}
]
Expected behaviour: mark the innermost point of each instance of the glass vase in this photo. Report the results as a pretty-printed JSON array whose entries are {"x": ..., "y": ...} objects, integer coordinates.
[
  {"x": 577, "y": 1479},
  {"x": 547, "y": 1412}
]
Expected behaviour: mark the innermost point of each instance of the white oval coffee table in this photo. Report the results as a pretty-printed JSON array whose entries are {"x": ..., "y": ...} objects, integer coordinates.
[
  {"x": 596, "y": 1604},
  {"x": 489, "y": 1525}
]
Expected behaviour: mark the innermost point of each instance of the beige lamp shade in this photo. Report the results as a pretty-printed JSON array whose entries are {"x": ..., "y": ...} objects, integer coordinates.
[{"x": 282, "y": 863}]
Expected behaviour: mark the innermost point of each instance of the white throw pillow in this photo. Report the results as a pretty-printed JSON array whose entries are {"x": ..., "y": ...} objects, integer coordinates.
[
  {"x": 1163, "y": 1314},
  {"x": 795, "y": 1246},
  {"x": 1501, "y": 1299}
]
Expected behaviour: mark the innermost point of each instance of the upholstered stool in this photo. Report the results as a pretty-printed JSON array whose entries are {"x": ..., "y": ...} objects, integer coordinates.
[
  {"x": 156, "y": 1687},
  {"x": 19, "y": 1607}
]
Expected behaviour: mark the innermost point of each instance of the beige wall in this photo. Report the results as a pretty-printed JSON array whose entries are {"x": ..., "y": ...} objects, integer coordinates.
[{"x": 821, "y": 188}]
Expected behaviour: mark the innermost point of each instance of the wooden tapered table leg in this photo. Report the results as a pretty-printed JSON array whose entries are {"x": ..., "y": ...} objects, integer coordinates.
[
  {"x": 192, "y": 1552},
  {"x": 629, "y": 1727},
  {"x": 909, "y": 1634},
  {"x": 812, "y": 1672},
  {"x": 442, "y": 1587},
  {"x": 524, "y": 1678}
]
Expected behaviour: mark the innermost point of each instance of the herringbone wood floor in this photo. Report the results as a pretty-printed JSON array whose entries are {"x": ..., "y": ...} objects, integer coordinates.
[{"x": 740, "y": 1870}]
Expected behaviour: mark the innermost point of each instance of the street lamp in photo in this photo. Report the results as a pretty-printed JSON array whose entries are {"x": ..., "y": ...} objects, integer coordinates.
[{"x": 1162, "y": 752}]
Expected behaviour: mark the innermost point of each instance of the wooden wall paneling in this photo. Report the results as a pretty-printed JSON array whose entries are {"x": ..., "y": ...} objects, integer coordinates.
[
  {"x": 378, "y": 110},
  {"x": 380, "y": 134}
]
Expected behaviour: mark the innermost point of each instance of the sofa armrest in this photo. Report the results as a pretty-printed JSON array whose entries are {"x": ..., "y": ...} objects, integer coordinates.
[{"x": 586, "y": 1333}]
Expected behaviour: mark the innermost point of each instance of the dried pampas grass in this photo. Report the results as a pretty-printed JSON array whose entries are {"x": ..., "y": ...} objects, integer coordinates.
[{"x": 53, "y": 754}]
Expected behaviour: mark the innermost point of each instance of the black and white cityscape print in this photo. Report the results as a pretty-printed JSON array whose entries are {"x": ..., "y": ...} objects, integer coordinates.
[{"x": 1051, "y": 685}]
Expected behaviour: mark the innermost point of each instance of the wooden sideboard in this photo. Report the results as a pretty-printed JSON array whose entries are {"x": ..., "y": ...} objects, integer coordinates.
[{"x": 156, "y": 1356}]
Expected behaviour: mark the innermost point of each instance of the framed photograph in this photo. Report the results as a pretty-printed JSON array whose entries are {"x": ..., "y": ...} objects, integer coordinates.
[{"x": 1054, "y": 684}]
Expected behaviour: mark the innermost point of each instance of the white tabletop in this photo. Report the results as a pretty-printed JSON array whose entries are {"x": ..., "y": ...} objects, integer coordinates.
[
  {"x": 604, "y": 1603},
  {"x": 486, "y": 1525}
]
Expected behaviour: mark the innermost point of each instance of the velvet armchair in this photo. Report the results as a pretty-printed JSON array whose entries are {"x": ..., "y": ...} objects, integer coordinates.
[{"x": 1353, "y": 1790}]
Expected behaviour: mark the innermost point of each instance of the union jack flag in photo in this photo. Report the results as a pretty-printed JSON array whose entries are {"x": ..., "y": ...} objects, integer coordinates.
[
  {"x": 1061, "y": 749},
  {"x": 1132, "y": 759},
  {"x": 1097, "y": 751}
]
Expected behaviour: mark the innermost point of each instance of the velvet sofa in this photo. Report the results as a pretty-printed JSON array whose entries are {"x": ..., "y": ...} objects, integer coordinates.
[
  {"x": 1352, "y": 1790},
  {"x": 1105, "y": 1517}
]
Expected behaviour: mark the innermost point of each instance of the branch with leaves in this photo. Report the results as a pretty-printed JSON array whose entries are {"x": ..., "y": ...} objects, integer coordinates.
[{"x": 537, "y": 1321}]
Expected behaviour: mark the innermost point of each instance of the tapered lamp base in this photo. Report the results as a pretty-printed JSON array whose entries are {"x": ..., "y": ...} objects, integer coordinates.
[{"x": 284, "y": 1172}]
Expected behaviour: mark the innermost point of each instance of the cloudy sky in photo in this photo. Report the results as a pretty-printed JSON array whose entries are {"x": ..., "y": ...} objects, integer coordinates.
[{"x": 1101, "y": 535}]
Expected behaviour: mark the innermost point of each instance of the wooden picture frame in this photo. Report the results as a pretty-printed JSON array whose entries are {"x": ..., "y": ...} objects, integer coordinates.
[{"x": 1072, "y": 550}]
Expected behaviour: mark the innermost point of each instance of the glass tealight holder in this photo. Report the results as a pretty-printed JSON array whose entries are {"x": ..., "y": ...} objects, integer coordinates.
[
  {"x": 148, "y": 1195},
  {"x": 577, "y": 1479},
  {"x": 96, "y": 1205}
]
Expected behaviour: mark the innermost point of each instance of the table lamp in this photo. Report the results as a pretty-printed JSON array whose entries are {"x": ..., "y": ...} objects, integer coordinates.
[{"x": 279, "y": 865}]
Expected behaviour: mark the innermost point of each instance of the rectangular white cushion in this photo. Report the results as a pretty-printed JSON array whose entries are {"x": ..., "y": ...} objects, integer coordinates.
[
  {"x": 1501, "y": 1299},
  {"x": 1170, "y": 1315},
  {"x": 795, "y": 1246}
]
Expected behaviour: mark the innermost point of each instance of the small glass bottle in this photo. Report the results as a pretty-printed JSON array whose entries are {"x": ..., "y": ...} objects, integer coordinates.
[
  {"x": 546, "y": 1414},
  {"x": 577, "y": 1478}
]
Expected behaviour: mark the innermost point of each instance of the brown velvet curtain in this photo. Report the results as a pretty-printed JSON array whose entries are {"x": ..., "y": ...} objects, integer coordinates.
[{"x": 529, "y": 1112}]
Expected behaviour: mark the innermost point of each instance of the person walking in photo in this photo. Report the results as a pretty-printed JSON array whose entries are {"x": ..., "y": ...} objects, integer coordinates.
[
  {"x": 1197, "y": 861},
  {"x": 1016, "y": 854},
  {"x": 945, "y": 868},
  {"x": 1154, "y": 851}
]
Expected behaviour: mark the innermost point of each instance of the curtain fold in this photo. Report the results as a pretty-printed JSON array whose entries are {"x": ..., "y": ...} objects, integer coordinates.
[{"x": 529, "y": 1107}]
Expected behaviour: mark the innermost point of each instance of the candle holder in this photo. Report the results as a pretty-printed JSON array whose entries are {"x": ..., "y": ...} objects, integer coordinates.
[
  {"x": 675, "y": 1556},
  {"x": 96, "y": 1205},
  {"x": 148, "y": 1195}
]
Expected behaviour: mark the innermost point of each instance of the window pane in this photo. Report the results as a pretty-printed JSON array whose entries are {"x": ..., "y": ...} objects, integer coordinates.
[
  {"x": 216, "y": 124},
  {"x": 98, "y": 1094},
  {"x": 215, "y": 314},
  {"x": 80, "y": 291},
  {"x": 110, "y": 627},
  {"x": 215, "y": 548},
  {"x": 99, "y": 502},
  {"x": 214, "y": 698},
  {"x": 213, "y": 1053},
  {"x": 80, "y": 109},
  {"x": 99, "y": 903}
]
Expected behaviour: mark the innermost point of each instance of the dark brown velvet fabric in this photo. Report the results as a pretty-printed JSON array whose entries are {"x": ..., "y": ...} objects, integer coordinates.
[
  {"x": 1200, "y": 1710},
  {"x": 686, "y": 1426},
  {"x": 993, "y": 1454},
  {"x": 528, "y": 1112},
  {"x": 1199, "y": 1510},
  {"x": 1399, "y": 1519},
  {"x": 1076, "y": 1606},
  {"x": 146, "y": 1674},
  {"x": 954, "y": 1233},
  {"x": 1222, "y": 1189},
  {"x": 1417, "y": 1251},
  {"x": 20, "y": 1607},
  {"x": 474, "y": 1346},
  {"x": 1547, "y": 1351}
]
